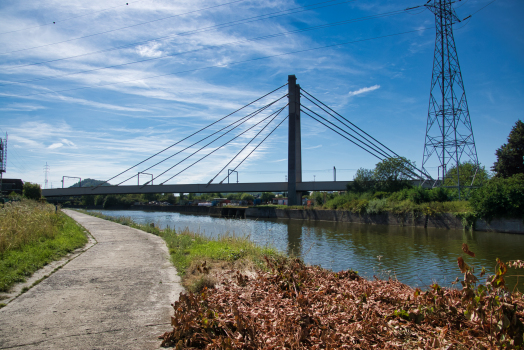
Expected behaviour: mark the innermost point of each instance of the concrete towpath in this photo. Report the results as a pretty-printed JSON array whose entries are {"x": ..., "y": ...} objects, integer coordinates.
[{"x": 115, "y": 295}]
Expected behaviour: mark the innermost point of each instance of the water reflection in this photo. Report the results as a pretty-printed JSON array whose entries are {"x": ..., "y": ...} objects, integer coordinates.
[{"x": 416, "y": 256}]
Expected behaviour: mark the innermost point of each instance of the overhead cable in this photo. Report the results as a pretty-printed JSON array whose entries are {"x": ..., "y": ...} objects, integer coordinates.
[
  {"x": 367, "y": 143},
  {"x": 70, "y": 18},
  {"x": 323, "y": 104},
  {"x": 380, "y": 152},
  {"x": 327, "y": 126},
  {"x": 243, "y": 148},
  {"x": 254, "y": 149},
  {"x": 210, "y": 153},
  {"x": 396, "y": 155},
  {"x": 196, "y": 132},
  {"x": 243, "y": 119}
]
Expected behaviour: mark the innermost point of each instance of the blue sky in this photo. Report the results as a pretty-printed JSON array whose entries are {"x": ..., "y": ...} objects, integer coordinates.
[{"x": 98, "y": 123}]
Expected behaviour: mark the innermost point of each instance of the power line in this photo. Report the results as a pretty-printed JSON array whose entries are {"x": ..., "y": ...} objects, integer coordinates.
[
  {"x": 228, "y": 64},
  {"x": 269, "y": 36},
  {"x": 483, "y": 7},
  {"x": 70, "y": 18},
  {"x": 385, "y": 14},
  {"x": 227, "y": 24},
  {"x": 196, "y": 132}
]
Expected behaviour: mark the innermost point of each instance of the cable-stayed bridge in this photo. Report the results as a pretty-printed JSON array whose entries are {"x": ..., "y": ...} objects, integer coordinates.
[{"x": 262, "y": 121}]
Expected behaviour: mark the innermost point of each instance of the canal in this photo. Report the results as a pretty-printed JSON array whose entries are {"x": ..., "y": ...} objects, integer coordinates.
[{"x": 415, "y": 256}]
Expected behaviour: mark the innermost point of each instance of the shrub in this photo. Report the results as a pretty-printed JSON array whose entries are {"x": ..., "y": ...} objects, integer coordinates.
[
  {"x": 399, "y": 196},
  {"x": 417, "y": 195},
  {"x": 381, "y": 195},
  {"x": 438, "y": 194},
  {"x": 500, "y": 198},
  {"x": 376, "y": 206},
  {"x": 336, "y": 203},
  {"x": 32, "y": 191}
]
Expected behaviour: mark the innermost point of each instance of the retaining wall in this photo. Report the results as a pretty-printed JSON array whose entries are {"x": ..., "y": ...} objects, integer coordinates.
[{"x": 443, "y": 221}]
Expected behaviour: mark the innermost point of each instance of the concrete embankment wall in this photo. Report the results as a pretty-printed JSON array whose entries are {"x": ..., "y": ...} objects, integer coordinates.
[
  {"x": 187, "y": 209},
  {"x": 444, "y": 221}
]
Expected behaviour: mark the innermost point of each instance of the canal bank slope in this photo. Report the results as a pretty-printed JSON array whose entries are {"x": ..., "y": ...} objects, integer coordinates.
[{"x": 117, "y": 294}]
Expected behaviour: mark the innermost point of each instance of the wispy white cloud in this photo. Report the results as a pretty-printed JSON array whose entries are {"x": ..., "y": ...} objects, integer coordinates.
[
  {"x": 313, "y": 147},
  {"x": 55, "y": 145},
  {"x": 363, "y": 90},
  {"x": 21, "y": 107}
]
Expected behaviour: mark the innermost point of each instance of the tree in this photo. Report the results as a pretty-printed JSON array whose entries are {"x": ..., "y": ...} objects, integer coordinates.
[
  {"x": 470, "y": 175},
  {"x": 362, "y": 181},
  {"x": 32, "y": 191},
  {"x": 267, "y": 196},
  {"x": 99, "y": 199},
  {"x": 393, "y": 174},
  {"x": 510, "y": 156},
  {"x": 247, "y": 197},
  {"x": 110, "y": 201},
  {"x": 88, "y": 200}
]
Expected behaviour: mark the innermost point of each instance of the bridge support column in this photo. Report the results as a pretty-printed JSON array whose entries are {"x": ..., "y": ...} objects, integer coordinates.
[{"x": 294, "y": 143}]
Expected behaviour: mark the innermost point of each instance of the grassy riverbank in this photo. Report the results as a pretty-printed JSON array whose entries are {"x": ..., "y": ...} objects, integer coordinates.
[
  {"x": 31, "y": 236},
  {"x": 198, "y": 258}
]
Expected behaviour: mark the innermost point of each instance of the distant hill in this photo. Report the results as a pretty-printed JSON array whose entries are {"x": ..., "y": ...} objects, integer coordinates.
[{"x": 89, "y": 183}]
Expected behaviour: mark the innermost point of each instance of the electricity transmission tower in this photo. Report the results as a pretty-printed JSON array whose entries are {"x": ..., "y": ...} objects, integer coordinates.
[
  {"x": 449, "y": 134},
  {"x": 46, "y": 171}
]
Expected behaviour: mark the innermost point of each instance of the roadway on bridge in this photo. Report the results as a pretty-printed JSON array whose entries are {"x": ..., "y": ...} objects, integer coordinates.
[{"x": 115, "y": 295}]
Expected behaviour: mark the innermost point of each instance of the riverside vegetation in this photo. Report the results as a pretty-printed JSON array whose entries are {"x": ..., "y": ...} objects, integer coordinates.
[
  {"x": 241, "y": 296},
  {"x": 32, "y": 234},
  {"x": 193, "y": 253}
]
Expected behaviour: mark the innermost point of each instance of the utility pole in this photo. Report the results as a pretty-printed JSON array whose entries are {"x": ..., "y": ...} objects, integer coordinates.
[
  {"x": 449, "y": 134},
  {"x": 294, "y": 143},
  {"x": 334, "y": 174},
  {"x": 46, "y": 171}
]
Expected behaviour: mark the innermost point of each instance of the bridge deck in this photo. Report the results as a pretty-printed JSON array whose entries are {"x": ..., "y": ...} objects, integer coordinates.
[{"x": 197, "y": 188}]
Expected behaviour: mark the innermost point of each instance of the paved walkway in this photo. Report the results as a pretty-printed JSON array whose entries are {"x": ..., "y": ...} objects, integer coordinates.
[{"x": 115, "y": 295}]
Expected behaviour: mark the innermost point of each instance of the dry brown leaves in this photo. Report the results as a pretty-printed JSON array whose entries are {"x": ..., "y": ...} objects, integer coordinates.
[{"x": 306, "y": 307}]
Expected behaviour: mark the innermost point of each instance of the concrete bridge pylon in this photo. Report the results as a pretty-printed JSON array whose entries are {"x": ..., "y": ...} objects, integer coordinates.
[{"x": 294, "y": 174}]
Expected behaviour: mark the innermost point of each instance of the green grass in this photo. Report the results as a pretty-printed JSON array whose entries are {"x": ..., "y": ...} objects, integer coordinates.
[
  {"x": 21, "y": 262},
  {"x": 187, "y": 248},
  {"x": 190, "y": 250}
]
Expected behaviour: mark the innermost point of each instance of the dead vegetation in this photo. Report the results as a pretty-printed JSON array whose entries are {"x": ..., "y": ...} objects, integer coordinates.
[{"x": 294, "y": 306}]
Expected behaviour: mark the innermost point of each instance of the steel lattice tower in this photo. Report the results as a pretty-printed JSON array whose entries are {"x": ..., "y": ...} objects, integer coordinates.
[{"x": 449, "y": 134}]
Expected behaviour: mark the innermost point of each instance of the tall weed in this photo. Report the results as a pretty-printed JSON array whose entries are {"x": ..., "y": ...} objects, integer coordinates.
[{"x": 27, "y": 221}]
